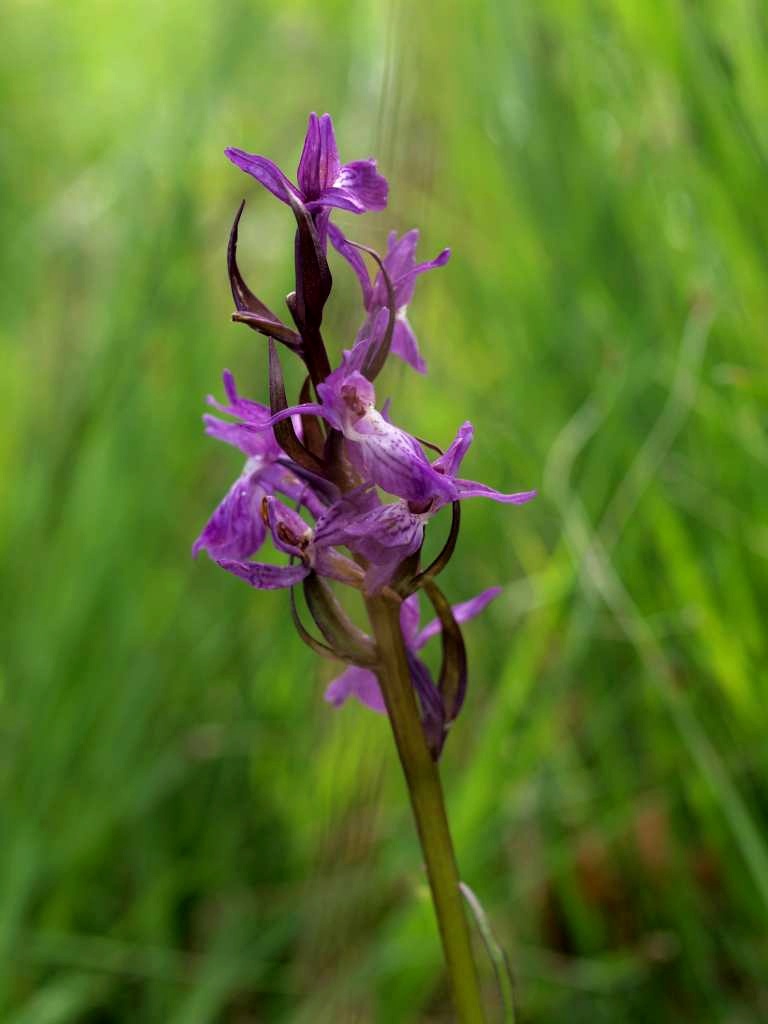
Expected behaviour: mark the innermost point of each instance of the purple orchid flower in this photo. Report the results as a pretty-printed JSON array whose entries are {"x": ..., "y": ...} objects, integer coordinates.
[
  {"x": 400, "y": 264},
  {"x": 381, "y": 452},
  {"x": 236, "y": 530},
  {"x": 294, "y": 536},
  {"x": 362, "y": 683},
  {"x": 385, "y": 535},
  {"x": 323, "y": 181},
  {"x": 388, "y": 457}
]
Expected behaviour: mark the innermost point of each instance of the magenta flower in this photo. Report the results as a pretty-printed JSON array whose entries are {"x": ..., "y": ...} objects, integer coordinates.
[
  {"x": 236, "y": 528},
  {"x": 323, "y": 181},
  {"x": 379, "y": 451},
  {"x": 400, "y": 264},
  {"x": 385, "y": 535}
]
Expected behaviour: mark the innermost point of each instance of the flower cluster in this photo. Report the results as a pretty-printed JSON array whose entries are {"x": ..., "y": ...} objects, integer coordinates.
[{"x": 339, "y": 488}]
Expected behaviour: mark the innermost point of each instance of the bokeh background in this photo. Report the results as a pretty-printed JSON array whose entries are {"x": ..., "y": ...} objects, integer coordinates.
[{"x": 189, "y": 834}]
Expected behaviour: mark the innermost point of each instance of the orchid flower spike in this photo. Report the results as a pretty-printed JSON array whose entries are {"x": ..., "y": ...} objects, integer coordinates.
[{"x": 343, "y": 492}]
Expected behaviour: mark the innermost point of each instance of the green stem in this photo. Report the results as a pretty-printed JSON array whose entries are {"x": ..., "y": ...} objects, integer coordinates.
[{"x": 426, "y": 796}]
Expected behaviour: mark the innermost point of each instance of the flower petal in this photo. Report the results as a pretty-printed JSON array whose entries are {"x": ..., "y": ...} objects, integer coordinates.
[
  {"x": 392, "y": 459},
  {"x": 319, "y": 162},
  {"x": 461, "y": 612},
  {"x": 236, "y": 529},
  {"x": 405, "y": 346},
  {"x": 264, "y": 171},
  {"x": 382, "y": 452},
  {"x": 250, "y": 412},
  {"x": 265, "y": 577},
  {"x": 384, "y": 535},
  {"x": 451, "y": 459},
  {"x": 361, "y": 179},
  {"x": 248, "y": 439},
  {"x": 340, "y": 198},
  {"x": 472, "y": 489},
  {"x": 379, "y": 530},
  {"x": 401, "y": 252},
  {"x": 401, "y": 266},
  {"x": 359, "y": 683},
  {"x": 406, "y": 284}
]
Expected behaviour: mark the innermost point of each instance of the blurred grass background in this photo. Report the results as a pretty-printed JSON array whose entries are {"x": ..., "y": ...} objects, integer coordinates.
[{"x": 189, "y": 834}]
